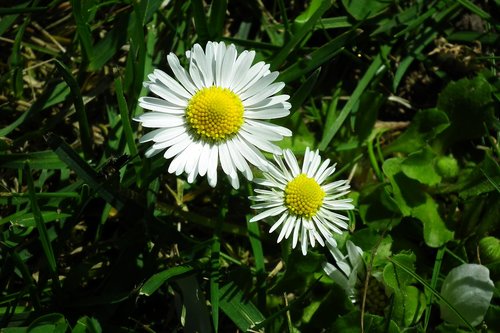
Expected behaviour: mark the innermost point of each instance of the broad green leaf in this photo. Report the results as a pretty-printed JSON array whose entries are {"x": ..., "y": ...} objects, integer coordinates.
[
  {"x": 396, "y": 278},
  {"x": 414, "y": 202},
  {"x": 420, "y": 166},
  {"x": 468, "y": 104},
  {"x": 409, "y": 305},
  {"x": 157, "y": 280},
  {"x": 368, "y": 239},
  {"x": 52, "y": 322},
  {"x": 426, "y": 124},
  {"x": 376, "y": 207},
  {"x": 469, "y": 289},
  {"x": 484, "y": 178},
  {"x": 87, "y": 325},
  {"x": 238, "y": 307},
  {"x": 350, "y": 323}
]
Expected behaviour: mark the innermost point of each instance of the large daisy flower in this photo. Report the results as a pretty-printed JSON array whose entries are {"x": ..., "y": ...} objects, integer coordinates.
[
  {"x": 306, "y": 203},
  {"x": 215, "y": 111}
]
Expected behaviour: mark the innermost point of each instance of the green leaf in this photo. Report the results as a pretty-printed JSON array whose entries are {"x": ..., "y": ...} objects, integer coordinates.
[
  {"x": 469, "y": 289},
  {"x": 376, "y": 67},
  {"x": 468, "y": 104},
  {"x": 40, "y": 225},
  {"x": 366, "y": 112},
  {"x": 107, "y": 47},
  {"x": 195, "y": 314},
  {"x": 426, "y": 124},
  {"x": 350, "y": 323},
  {"x": 414, "y": 202},
  {"x": 157, "y": 280},
  {"x": 87, "y": 325},
  {"x": 83, "y": 30},
  {"x": 320, "y": 8},
  {"x": 52, "y": 322},
  {"x": 420, "y": 166},
  {"x": 376, "y": 207},
  {"x": 318, "y": 57},
  {"x": 28, "y": 219},
  {"x": 364, "y": 9},
  {"x": 238, "y": 307},
  {"x": 85, "y": 132},
  {"x": 409, "y": 305},
  {"x": 38, "y": 160},
  {"x": 217, "y": 18},
  {"x": 396, "y": 278}
]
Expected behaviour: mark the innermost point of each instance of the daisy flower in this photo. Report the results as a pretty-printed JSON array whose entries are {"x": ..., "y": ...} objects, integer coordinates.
[
  {"x": 214, "y": 112},
  {"x": 306, "y": 203},
  {"x": 348, "y": 271}
]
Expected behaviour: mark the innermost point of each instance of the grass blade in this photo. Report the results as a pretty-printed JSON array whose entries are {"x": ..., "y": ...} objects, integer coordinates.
[
  {"x": 84, "y": 171},
  {"x": 432, "y": 290},
  {"x": 85, "y": 133},
  {"x": 40, "y": 225},
  {"x": 200, "y": 20},
  {"x": 83, "y": 31},
  {"x": 125, "y": 117},
  {"x": 369, "y": 75},
  {"x": 295, "y": 40},
  {"x": 317, "y": 57},
  {"x": 156, "y": 281},
  {"x": 217, "y": 18},
  {"x": 236, "y": 306}
]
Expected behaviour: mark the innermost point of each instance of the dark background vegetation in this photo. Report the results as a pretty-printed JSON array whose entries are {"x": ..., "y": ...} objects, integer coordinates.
[{"x": 94, "y": 237}]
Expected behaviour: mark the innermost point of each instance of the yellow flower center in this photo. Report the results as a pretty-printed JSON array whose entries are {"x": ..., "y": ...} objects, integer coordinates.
[
  {"x": 304, "y": 196},
  {"x": 214, "y": 114}
]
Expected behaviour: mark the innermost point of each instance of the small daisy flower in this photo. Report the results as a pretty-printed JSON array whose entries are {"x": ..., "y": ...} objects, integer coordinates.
[
  {"x": 348, "y": 271},
  {"x": 305, "y": 202},
  {"x": 214, "y": 112}
]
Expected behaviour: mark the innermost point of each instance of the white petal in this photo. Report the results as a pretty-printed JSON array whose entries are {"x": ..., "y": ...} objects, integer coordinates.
[
  {"x": 180, "y": 73},
  {"x": 292, "y": 163},
  {"x": 270, "y": 127},
  {"x": 204, "y": 158},
  {"x": 168, "y": 95},
  {"x": 176, "y": 149},
  {"x": 228, "y": 66},
  {"x": 172, "y": 84},
  {"x": 225, "y": 161},
  {"x": 259, "y": 85},
  {"x": 213, "y": 161},
  {"x": 267, "y": 114},
  {"x": 241, "y": 66},
  {"x": 278, "y": 223},
  {"x": 270, "y": 212},
  {"x": 161, "y": 105},
  {"x": 304, "y": 243}
]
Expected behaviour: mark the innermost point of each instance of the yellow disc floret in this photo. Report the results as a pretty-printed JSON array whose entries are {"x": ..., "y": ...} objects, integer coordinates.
[
  {"x": 304, "y": 196},
  {"x": 214, "y": 114}
]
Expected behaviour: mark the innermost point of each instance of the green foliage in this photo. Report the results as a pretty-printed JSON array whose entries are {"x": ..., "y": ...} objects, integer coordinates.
[{"x": 94, "y": 237}]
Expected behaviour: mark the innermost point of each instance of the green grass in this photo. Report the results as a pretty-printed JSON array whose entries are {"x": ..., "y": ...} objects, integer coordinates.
[{"x": 94, "y": 237}]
